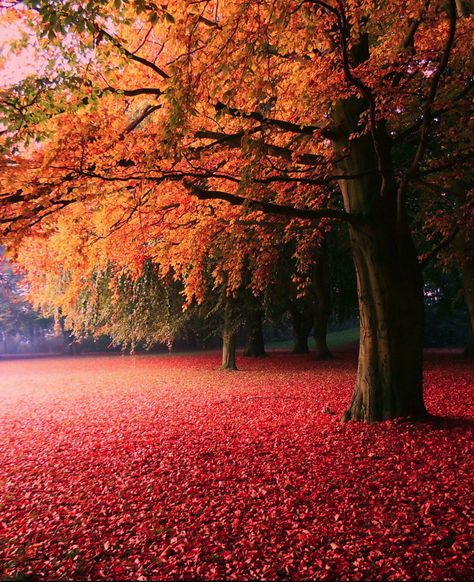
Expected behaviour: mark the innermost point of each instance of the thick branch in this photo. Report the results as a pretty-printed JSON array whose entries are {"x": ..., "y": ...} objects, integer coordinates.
[
  {"x": 327, "y": 132},
  {"x": 408, "y": 41},
  {"x": 235, "y": 141},
  {"x": 365, "y": 91},
  {"x": 270, "y": 207},
  {"x": 131, "y": 92},
  {"x": 132, "y": 56},
  {"x": 149, "y": 109}
]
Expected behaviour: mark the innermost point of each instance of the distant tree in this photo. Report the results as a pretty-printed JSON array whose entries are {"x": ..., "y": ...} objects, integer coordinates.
[
  {"x": 17, "y": 316},
  {"x": 447, "y": 238}
]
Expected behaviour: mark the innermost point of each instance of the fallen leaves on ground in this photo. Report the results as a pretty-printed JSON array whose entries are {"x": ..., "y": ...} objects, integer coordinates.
[{"x": 164, "y": 467}]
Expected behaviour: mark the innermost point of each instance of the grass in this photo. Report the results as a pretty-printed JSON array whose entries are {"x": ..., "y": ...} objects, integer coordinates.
[{"x": 335, "y": 339}]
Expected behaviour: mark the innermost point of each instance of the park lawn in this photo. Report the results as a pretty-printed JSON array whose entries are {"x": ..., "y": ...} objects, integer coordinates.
[
  {"x": 164, "y": 467},
  {"x": 335, "y": 339}
]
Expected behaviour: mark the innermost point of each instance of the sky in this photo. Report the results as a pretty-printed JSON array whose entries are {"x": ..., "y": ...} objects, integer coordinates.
[{"x": 15, "y": 67}]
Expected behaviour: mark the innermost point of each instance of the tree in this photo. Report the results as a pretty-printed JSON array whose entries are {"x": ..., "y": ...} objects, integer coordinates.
[
  {"x": 255, "y": 343},
  {"x": 295, "y": 109},
  {"x": 447, "y": 229},
  {"x": 465, "y": 245},
  {"x": 16, "y": 314},
  {"x": 302, "y": 320},
  {"x": 343, "y": 282},
  {"x": 254, "y": 316},
  {"x": 322, "y": 300}
]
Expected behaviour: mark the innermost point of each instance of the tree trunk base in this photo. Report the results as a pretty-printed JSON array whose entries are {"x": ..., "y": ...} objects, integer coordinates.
[
  {"x": 422, "y": 416},
  {"x": 357, "y": 412},
  {"x": 324, "y": 355},
  {"x": 300, "y": 349},
  {"x": 347, "y": 417},
  {"x": 229, "y": 368},
  {"x": 249, "y": 354}
]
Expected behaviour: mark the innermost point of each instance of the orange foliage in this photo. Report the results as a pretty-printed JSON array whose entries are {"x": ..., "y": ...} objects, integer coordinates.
[{"x": 160, "y": 116}]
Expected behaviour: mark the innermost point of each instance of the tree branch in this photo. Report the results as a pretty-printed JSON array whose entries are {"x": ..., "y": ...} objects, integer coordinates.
[
  {"x": 438, "y": 113},
  {"x": 129, "y": 92},
  {"x": 454, "y": 161},
  {"x": 408, "y": 41},
  {"x": 270, "y": 207},
  {"x": 443, "y": 244},
  {"x": 325, "y": 131},
  {"x": 427, "y": 116},
  {"x": 149, "y": 109},
  {"x": 131, "y": 55},
  {"x": 364, "y": 89},
  {"x": 235, "y": 141}
]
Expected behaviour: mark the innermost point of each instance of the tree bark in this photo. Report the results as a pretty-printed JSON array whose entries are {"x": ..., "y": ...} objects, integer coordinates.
[
  {"x": 229, "y": 337},
  {"x": 390, "y": 289},
  {"x": 320, "y": 336},
  {"x": 255, "y": 346},
  {"x": 322, "y": 302},
  {"x": 390, "y": 293},
  {"x": 301, "y": 327},
  {"x": 67, "y": 337},
  {"x": 461, "y": 9}
]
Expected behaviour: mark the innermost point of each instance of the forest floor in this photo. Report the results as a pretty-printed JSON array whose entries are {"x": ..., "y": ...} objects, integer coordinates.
[{"x": 164, "y": 467}]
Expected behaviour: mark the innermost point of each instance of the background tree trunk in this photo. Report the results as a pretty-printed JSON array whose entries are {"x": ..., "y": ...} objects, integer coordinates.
[
  {"x": 320, "y": 334},
  {"x": 302, "y": 325},
  {"x": 229, "y": 336},
  {"x": 255, "y": 346},
  {"x": 192, "y": 340},
  {"x": 322, "y": 302},
  {"x": 67, "y": 337}
]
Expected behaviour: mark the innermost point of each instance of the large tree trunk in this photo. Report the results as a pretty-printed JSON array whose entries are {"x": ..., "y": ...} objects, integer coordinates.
[
  {"x": 302, "y": 325},
  {"x": 229, "y": 337},
  {"x": 322, "y": 305},
  {"x": 255, "y": 346},
  {"x": 390, "y": 291}
]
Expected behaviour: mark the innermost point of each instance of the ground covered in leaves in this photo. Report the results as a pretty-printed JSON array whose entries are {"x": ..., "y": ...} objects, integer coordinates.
[{"x": 164, "y": 467}]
